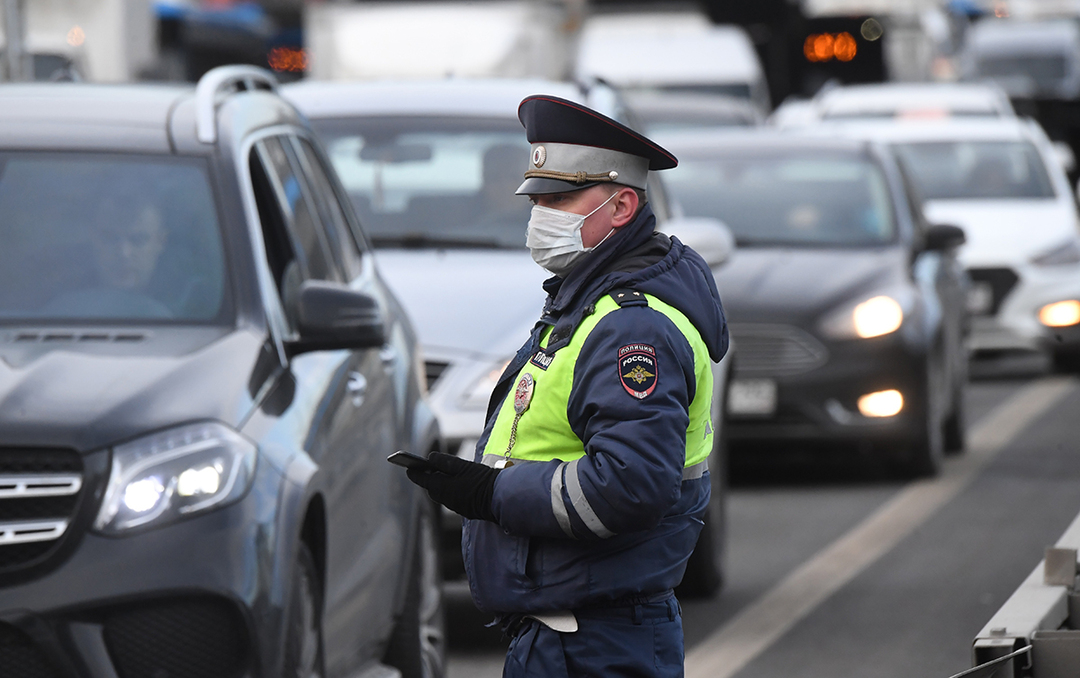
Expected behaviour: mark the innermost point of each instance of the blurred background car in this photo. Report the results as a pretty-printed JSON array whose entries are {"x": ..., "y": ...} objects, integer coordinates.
[
  {"x": 668, "y": 111},
  {"x": 1027, "y": 59},
  {"x": 1002, "y": 181},
  {"x": 846, "y": 307},
  {"x": 431, "y": 167},
  {"x": 912, "y": 100},
  {"x": 201, "y": 376},
  {"x": 671, "y": 51}
]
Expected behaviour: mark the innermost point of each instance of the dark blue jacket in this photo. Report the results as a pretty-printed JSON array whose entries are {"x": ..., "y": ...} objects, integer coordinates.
[{"x": 632, "y": 474}]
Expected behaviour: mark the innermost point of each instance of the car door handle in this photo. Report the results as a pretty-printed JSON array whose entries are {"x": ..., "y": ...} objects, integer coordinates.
[{"x": 357, "y": 388}]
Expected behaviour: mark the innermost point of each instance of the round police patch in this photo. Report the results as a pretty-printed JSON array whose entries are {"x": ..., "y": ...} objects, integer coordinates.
[
  {"x": 539, "y": 156},
  {"x": 638, "y": 369}
]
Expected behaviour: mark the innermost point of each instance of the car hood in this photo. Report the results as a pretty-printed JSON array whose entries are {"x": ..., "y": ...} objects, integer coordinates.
[
  {"x": 89, "y": 389},
  {"x": 797, "y": 285},
  {"x": 1003, "y": 232},
  {"x": 477, "y": 302}
]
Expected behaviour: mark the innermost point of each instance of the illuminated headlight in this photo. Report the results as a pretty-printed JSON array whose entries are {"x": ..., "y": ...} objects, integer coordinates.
[
  {"x": 1060, "y": 314},
  {"x": 175, "y": 473},
  {"x": 479, "y": 392},
  {"x": 874, "y": 317}
]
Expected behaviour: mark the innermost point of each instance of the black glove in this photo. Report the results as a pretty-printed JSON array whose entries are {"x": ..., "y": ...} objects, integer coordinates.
[{"x": 464, "y": 487}]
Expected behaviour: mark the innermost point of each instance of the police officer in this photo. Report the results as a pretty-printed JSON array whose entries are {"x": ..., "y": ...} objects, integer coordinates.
[{"x": 590, "y": 480}]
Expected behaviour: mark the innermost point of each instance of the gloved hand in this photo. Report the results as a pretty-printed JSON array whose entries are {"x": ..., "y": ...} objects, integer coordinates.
[{"x": 464, "y": 487}]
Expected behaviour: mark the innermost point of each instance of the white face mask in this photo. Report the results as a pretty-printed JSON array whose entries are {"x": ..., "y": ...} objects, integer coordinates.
[{"x": 554, "y": 237}]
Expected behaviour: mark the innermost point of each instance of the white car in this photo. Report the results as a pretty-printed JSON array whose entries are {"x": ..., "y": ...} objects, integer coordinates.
[
  {"x": 431, "y": 167},
  {"x": 1001, "y": 181},
  {"x": 901, "y": 101}
]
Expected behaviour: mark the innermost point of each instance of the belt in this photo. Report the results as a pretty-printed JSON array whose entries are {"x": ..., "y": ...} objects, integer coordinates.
[{"x": 636, "y": 607}]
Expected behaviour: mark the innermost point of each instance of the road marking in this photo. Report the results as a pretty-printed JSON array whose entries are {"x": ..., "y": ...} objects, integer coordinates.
[{"x": 733, "y": 646}]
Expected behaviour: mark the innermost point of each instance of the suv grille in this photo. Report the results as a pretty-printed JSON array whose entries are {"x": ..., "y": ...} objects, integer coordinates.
[
  {"x": 20, "y": 657},
  {"x": 39, "y": 494},
  {"x": 181, "y": 638},
  {"x": 775, "y": 350},
  {"x": 1000, "y": 280}
]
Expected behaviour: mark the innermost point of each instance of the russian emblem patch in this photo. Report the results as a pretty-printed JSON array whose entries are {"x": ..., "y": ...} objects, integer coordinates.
[{"x": 638, "y": 369}]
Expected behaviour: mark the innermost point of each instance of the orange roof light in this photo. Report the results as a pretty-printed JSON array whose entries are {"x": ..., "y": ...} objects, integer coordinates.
[
  {"x": 287, "y": 59},
  {"x": 827, "y": 46}
]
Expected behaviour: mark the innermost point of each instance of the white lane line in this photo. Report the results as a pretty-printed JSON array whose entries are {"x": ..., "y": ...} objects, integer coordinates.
[{"x": 733, "y": 646}]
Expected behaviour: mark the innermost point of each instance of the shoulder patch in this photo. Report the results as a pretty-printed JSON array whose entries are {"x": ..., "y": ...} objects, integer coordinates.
[{"x": 638, "y": 369}]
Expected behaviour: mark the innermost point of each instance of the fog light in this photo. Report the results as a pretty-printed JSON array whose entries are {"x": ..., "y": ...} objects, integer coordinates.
[
  {"x": 881, "y": 404},
  {"x": 1060, "y": 314},
  {"x": 143, "y": 495}
]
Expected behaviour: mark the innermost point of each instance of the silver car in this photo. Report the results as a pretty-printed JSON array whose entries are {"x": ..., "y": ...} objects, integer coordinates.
[{"x": 431, "y": 168}]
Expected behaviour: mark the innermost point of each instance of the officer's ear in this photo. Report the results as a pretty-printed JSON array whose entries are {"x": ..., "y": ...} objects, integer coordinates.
[{"x": 626, "y": 207}]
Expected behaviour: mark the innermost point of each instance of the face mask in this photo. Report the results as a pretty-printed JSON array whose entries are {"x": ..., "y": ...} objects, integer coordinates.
[{"x": 554, "y": 237}]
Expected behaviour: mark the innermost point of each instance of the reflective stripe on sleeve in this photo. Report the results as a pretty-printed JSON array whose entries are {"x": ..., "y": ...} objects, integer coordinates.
[
  {"x": 558, "y": 506},
  {"x": 581, "y": 504},
  {"x": 696, "y": 471}
]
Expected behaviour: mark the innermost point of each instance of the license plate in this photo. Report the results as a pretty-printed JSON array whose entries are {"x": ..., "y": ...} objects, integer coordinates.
[
  {"x": 752, "y": 397},
  {"x": 980, "y": 298}
]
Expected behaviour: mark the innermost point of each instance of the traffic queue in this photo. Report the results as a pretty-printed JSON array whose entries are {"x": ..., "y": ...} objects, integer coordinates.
[{"x": 223, "y": 307}]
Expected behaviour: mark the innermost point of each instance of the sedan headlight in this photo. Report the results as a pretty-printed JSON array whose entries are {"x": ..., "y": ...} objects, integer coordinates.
[
  {"x": 1065, "y": 254},
  {"x": 874, "y": 317},
  {"x": 479, "y": 392},
  {"x": 175, "y": 473}
]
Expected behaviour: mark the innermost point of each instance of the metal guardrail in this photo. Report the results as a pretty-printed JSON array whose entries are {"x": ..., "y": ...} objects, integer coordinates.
[
  {"x": 1036, "y": 633},
  {"x": 224, "y": 80}
]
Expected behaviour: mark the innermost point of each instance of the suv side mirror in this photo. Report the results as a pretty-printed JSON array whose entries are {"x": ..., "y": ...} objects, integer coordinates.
[
  {"x": 944, "y": 237},
  {"x": 709, "y": 237},
  {"x": 332, "y": 316}
]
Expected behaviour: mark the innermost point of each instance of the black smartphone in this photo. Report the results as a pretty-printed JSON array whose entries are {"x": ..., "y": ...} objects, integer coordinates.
[{"x": 408, "y": 460}]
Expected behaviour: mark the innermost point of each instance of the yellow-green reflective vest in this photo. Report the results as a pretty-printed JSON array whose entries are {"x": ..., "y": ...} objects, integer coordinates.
[{"x": 543, "y": 433}]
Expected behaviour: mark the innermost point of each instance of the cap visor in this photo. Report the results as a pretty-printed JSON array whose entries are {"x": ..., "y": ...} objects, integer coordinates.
[{"x": 538, "y": 186}]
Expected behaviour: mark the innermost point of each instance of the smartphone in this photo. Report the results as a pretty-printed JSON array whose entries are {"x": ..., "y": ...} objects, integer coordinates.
[{"x": 402, "y": 458}]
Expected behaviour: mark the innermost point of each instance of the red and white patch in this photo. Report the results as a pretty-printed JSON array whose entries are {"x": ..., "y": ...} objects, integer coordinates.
[{"x": 638, "y": 369}]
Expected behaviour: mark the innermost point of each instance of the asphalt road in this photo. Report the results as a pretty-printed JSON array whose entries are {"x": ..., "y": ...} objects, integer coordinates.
[{"x": 836, "y": 567}]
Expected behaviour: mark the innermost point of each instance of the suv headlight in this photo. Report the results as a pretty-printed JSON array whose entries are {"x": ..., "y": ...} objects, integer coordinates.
[
  {"x": 479, "y": 392},
  {"x": 874, "y": 317},
  {"x": 175, "y": 473}
]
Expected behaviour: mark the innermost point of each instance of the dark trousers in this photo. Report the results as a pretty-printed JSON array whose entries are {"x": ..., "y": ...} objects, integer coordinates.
[{"x": 636, "y": 641}]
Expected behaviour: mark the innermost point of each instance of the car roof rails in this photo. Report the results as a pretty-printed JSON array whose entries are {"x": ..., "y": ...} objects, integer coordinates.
[{"x": 227, "y": 80}]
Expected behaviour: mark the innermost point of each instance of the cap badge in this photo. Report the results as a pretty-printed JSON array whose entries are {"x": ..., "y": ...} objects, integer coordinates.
[{"x": 539, "y": 156}]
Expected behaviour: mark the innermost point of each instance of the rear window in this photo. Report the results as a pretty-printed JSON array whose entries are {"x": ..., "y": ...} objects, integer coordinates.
[
  {"x": 109, "y": 238},
  {"x": 980, "y": 170},
  {"x": 789, "y": 198}
]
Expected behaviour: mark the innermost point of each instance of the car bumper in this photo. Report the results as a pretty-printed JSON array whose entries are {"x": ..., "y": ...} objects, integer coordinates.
[
  {"x": 821, "y": 405},
  {"x": 189, "y": 598},
  {"x": 1016, "y": 327}
]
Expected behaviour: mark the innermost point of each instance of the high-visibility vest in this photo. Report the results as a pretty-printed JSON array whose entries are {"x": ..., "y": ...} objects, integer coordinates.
[{"x": 542, "y": 432}]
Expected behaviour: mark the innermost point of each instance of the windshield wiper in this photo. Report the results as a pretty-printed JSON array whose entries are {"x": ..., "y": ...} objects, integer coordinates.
[{"x": 425, "y": 241}]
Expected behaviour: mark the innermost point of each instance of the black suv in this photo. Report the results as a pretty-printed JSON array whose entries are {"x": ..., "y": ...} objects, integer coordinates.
[{"x": 201, "y": 376}]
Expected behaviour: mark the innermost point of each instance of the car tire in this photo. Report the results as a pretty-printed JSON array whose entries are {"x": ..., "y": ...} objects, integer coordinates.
[
  {"x": 303, "y": 631},
  {"x": 417, "y": 646},
  {"x": 953, "y": 429},
  {"x": 927, "y": 449},
  {"x": 704, "y": 576}
]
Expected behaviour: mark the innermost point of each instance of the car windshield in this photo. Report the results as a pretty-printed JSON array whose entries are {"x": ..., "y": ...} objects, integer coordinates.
[
  {"x": 431, "y": 181},
  {"x": 987, "y": 170},
  {"x": 1046, "y": 72},
  {"x": 800, "y": 198},
  {"x": 108, "y": 238}
]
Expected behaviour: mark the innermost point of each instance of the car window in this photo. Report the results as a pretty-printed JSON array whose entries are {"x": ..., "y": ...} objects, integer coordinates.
[
  {"x": 419, "y": 181},
  {"x": 331, "y": 213},
  {"x": 788, "y": 198},
  {"x": 309, "y": 240},
  {"x": 110, "y": 238},
  {"x": 981, "y": 170}
]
